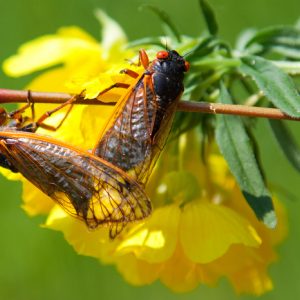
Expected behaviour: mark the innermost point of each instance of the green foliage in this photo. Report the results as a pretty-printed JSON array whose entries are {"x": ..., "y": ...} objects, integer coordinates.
[
  {"x": 274, "y": 83},
  {"x": 262, "y": 63},
  {"x": 282, "y": 40},
  {"x": 236, "y": 147},
  {"x": 166, "y": 21},
  {"x": 286, "y": 142},
  {"x": 209, "y": 16}
]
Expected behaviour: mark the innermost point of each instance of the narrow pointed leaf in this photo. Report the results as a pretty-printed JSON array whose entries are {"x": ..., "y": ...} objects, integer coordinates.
[
  {"x": 145, "y": 41},
  {"x": 236, "y": 147},
  {"x": 277, "y": 86},
  {"x": 284, "y": 40},
  {"x": 286, "y": 142},
  {"x": 209, "y": 16},
  {"x": 112, "y": 32},
  {"x": 164, "y": 17}
]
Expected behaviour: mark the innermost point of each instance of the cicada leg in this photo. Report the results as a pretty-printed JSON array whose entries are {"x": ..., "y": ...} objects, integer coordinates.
[
  {"x": 143, "y": 60},
  {"x": 40, "y": 122},
  {"x": 115, "y": 85},
  {"x": 130, "y": 73},
  {"x": 16, "y": 115}
]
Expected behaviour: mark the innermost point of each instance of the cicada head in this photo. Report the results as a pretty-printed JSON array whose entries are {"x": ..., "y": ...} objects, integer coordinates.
[
  {"x": 167, "y": 74},
  {"x": 170, "y": 63}
]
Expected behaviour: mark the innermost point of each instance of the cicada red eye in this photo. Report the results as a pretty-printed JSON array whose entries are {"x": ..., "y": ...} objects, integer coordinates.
[
  {"x": 162, "y": 54},
  {"x": 186, "y": 66}
]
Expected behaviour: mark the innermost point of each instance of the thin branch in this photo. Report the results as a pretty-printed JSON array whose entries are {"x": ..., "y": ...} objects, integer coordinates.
[{"x": 18, "y": 96}]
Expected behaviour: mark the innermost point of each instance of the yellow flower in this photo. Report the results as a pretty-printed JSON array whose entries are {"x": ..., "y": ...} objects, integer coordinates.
[
  {"x": 185, "y": 243},
  {"x": 201, "y": 228},
  {"x": 79, "y": 62}
]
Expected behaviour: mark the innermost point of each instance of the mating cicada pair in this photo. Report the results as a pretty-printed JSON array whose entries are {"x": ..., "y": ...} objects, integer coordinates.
[{"x": 105, "y": 186}]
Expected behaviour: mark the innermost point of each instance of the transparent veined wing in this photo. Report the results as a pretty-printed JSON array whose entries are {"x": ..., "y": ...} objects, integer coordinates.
[{"x": 86, "y": 186}]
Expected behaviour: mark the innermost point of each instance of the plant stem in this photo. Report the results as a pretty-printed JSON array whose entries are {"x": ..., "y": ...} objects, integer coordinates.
[{"x": 18, "y": 96}]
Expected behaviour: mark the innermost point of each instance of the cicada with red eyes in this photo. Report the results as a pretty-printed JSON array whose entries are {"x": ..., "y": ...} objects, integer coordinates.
[
  {"x": 85, "y": 186},
  {"x": 139, "y": 126},
  {"x": 107, "y": 186}
]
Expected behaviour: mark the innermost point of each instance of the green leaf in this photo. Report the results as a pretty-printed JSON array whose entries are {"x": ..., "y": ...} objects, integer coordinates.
[
  {"x": 286, "y": 142},
  {"x": 164, "y": 17},
  {"x": 145, "y": 41},
  {"x": 243, "y": 39},
  {"x": 283, "y": 40},
  {"x": 112, "y": 33},
  {"x": 236, "y": 147},
  {"x": 209, "y": 17},
  {"x": 203, "y": 48},
  {"x": 287, "y": 52},
  {"x": 277, "y": 86},
  {"x": 280, "y": 35}
]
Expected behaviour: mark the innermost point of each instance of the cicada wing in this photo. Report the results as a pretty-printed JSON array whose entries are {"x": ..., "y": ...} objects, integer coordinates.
[
  {"x": 137, "y": 130},
  {"x": 115, "y": 229},
  {"x": 85, "y": 186}
]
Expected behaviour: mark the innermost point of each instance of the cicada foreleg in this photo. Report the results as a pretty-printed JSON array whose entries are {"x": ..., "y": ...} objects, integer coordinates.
[
  {"x": 143, "y": 60},
  {"x": 130, "y": 73},
  {"x": 115, "y": 85}
]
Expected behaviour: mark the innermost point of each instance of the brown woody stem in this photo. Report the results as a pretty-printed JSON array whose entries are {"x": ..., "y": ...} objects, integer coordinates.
[{"x": 18, "y": 96}]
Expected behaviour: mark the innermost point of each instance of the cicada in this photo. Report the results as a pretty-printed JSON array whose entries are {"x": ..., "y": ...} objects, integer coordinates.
[
  {"x": 106, "y": 187},
  {"x": 84, "y": 185},
  {"x": 140, "y": 124}
]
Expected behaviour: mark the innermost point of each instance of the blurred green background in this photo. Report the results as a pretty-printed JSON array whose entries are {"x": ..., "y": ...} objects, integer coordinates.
[{"x": 36, "y": 263}]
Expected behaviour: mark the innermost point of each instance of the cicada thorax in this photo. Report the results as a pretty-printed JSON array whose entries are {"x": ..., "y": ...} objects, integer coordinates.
[{"x": 141, "y": 123}]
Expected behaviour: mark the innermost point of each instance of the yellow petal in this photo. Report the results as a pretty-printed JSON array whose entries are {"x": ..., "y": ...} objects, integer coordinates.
[
  {"x": 207, "y": 231},
  {"x": 76, "y": 32},
  {"x": 252, "y": 281},
  {"x": 179, "y": 273},
  {"x": 272, "y": 237},
  {"x": 94, "y": 86},
  {"x": 35, "y": 201},
  {"x": 220, "y": 173},
  {"x": 92, "y": 123},
  {"x": 85, "y": 242},
  {"x": 70, "y": 131},
  {"x": 246, "y": 269},
  {"x": 10, "y": 175},
  {"x": 51, "y": 81},
  {"x": 155, "y": 240},
  {"x": 137, "y": 272},
  {"x": 44, "y": 52}
]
